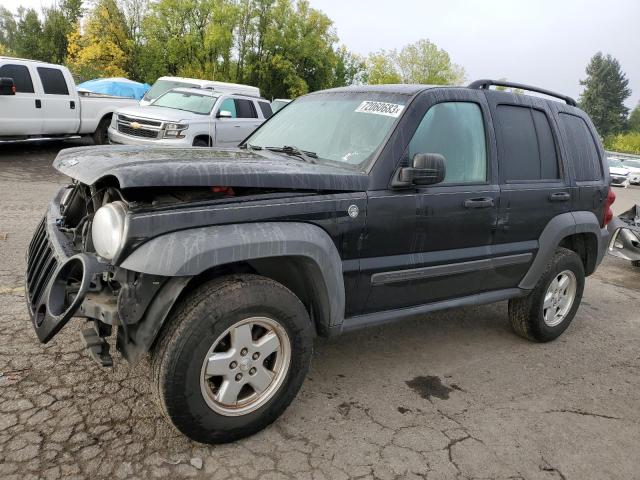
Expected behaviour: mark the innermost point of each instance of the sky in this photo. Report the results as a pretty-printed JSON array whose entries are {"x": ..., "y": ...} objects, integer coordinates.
[{"x": 546, "y": 43}]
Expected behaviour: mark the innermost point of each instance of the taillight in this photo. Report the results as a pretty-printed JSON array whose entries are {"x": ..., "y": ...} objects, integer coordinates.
[
  {"x": 13, "y": 89},
  {"x": 608, "y": 213}
]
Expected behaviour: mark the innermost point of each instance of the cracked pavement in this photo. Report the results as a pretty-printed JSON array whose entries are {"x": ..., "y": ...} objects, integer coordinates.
[{"x": 452, "y": 395}]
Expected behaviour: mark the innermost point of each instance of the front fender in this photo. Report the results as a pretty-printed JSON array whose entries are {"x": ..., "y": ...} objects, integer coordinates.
[{"x": 190, "y": 252}]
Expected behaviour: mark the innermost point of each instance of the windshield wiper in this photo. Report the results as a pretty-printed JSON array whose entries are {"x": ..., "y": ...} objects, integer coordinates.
[
  {"x": 250, "y": 147},
  {"x": 305, "y": 155}
]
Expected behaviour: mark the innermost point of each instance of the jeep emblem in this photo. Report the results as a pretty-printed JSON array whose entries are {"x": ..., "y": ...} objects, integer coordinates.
[{"x": 353, "y": 211}]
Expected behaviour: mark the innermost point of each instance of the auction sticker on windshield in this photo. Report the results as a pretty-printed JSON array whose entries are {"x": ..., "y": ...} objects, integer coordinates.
[{"x": 380, "y": 108}]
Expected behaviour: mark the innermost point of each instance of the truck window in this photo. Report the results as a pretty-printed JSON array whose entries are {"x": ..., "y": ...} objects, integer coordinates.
[
  {"x": 53, "y": 81},
  {"x": 229, "y": 105},
  {"x": 456, "y": 131},
  {"x": 245, "y": 109},
  {"x": 21, "y": 77},
  {"x": 527, "y": 147},
  {"x": 266, "y": 109},
  {"x": 581, "y": 148}
]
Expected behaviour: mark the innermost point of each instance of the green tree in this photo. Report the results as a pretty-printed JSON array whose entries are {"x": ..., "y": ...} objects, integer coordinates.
[
  {"x": 59, "y": 21},
  {"x": 8, "y": 30},
  {"x": 634, "y": 119},
  {"x": 606, "y": 89},
  {"x": 28, "y": 38},
  {"x": 381, "y": 68},
  {"x": 419, "y": 62},
  {"x": 349, "y": 68}
]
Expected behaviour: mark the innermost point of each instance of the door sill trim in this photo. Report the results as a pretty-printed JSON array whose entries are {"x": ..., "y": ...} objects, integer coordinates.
[{"x": 389, "y": 316}]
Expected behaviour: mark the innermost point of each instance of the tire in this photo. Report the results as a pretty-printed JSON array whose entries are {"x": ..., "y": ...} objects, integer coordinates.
[
  {"x": 178, "y": 359},
  {"x": 527, "y": 314},
  {"x": 200, "y": 142},
  {"x": 635, "y": 263},
  {"x": 101, "y": 136}
]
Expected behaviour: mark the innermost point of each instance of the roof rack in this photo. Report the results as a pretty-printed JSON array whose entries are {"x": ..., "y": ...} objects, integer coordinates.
[{"x": 485, "y": 84}]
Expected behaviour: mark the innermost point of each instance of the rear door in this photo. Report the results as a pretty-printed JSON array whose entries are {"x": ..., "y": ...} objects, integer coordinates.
[
  {"x": 533, "y": 182},
  {"x": 19, "y": 113},
  {"x": 60, "y": 108}
]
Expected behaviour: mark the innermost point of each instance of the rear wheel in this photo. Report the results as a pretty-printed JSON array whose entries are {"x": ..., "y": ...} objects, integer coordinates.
[
  {"x": 549, "y": 309},
  {"x": 232, "y": 358},
  {"x": 101, "y": 136}
]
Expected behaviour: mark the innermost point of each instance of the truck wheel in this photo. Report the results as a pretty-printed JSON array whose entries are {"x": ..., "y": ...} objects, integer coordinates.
[
  {"x": 549, "y": 308},
  {"x": 101, "y": 136},
  {"x": 201, "y": 142},
  {"x": 232, "y": 357}
]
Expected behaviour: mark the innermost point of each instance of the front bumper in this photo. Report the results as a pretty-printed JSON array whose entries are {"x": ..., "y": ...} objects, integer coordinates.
[
  {"x": 57, "y": 280},
  {"x": 618, "y": 179},
  {"x": 120, "y": 138}
]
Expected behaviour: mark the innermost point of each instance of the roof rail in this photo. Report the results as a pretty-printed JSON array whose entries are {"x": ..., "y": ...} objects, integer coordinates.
[{"x": 485, "y": 84}]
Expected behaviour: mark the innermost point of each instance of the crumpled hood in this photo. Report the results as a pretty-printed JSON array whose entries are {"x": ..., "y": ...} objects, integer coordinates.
[
  {"x": 137, "y": 166},
  {"x": 618, "y": 170}
]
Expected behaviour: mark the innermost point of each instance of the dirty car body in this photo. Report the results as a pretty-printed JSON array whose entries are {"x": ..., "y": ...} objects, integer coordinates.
[{"x": 401, "y": 200}]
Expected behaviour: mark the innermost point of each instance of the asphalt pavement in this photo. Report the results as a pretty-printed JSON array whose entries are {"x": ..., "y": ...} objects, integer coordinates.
[{"x": 451, "y": 395}]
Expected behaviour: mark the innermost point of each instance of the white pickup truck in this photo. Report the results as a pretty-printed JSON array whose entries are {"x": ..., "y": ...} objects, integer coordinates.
[{"x": 40, "y": 99}]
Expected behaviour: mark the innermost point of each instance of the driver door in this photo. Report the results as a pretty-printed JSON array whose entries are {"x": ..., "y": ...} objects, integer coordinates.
[{"x": 430, "y": 243}]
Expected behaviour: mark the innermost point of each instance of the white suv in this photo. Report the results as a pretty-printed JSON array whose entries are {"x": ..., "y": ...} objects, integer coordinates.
[
  {"x": 164, "y": 84},
  {"x": 190, "y": 117}
]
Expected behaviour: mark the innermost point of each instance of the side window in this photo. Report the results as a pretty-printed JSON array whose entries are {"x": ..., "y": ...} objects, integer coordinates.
[
  {"x": 245, "y": 109},
  {"x": 229, "y": 105},
  {"x": 456, "y": 131},
  {"x": 53, "y": 81},
  {"x": 581, "y": 148},
  {"x": 527, "y": 147},
  {"x": 266, "y": 109},
  {"x": 21, "y": 77}
]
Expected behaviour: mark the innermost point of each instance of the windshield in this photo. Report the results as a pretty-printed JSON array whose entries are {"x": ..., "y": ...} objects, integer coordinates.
[
  {"x": 615, "y": 163},
  {"x": 190, "y": 102},
  {"x": 163, "y": 86},
  {"x": 632, "y": 163},
  {"x": 342, "y": 127}
]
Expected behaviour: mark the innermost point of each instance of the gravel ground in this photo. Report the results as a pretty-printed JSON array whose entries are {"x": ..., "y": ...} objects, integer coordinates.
[{"x": 453, "y": 395}]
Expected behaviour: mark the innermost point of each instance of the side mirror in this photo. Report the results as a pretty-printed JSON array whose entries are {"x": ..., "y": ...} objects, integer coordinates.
[
  {"x": 7, "y": 87},
  {"x": 224, "y": 114},
  {"x": 426, "y": 169}
]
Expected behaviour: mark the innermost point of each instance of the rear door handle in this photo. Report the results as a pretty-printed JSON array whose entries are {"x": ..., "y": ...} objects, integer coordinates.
[
  {"x": 483, "y": 202},
  {"x": 72, "y": 105},
  {"x": 38, "y": 103},
  {"x": 559, "y": 197}
]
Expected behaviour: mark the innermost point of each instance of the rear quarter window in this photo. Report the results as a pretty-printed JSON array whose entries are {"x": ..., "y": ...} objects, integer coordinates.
[{"x": 582, "y": 150}]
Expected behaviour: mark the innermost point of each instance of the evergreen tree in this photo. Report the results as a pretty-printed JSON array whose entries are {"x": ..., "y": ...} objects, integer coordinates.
[{"x": 606, "y": 89}]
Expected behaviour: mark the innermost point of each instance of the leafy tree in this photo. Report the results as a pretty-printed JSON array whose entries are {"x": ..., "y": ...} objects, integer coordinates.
[
  {"x": 28, "y": 37},
  {"x": 59, "y": 21},
  {"x": 419, "y": 62},
  {"x": 624, "y": 143},
  {"x": 634, "y": 119},
  {"x": 349, "y": 68},
  {"x": 8, "y": 30},
  {"x": 102, "y": 50},
  {"x": 381, "y": 68},
  {"x": 606, "y": 89}
]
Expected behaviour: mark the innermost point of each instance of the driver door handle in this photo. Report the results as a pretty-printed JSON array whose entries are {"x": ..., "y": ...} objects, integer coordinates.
[
  {"x": 559, "y": 197},
  {"x": 483, "y": 202}
]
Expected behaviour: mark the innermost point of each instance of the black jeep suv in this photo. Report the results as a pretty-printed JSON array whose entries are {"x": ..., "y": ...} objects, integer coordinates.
[{"x": 350, "y": 207}]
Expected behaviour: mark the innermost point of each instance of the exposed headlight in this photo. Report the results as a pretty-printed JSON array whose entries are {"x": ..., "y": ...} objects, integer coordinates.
[
  {"x": 174, "y": 130},
  {"x": 107, "y": 231}
]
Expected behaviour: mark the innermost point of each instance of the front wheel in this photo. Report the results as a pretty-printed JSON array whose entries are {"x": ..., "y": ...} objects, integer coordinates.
[
  {"x": 101, "y": 135},
  {"x": 233, "y": 356},
  {"x": 550, "y": 307}
]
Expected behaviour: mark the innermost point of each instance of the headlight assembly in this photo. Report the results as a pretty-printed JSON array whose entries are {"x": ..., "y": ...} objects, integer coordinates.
[
  {"x": 107, "y": 231},
  {"x": 174, "y": 130}
]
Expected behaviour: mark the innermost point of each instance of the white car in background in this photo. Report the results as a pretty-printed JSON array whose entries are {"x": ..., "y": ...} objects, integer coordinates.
[
  {"x": 618, "y": 173},
  {"x": 185, "y": 117},
  {"x": 634, "y": 171},
  {"x": 40, "y": 100},
  {"x": 279, "y": 103},
  {"x": 164, "y": 84}
]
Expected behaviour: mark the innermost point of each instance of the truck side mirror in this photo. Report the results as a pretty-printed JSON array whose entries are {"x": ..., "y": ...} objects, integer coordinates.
[
  {"x": 426, "y": 169},
  {"x": 7, "y": 87},
  {"x": 224, "y": 114}
]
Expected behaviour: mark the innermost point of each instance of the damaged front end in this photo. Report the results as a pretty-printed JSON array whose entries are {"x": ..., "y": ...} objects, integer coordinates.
[
  {"x": 66, "y": 278},
  {"x": 625, "y": 236}
]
